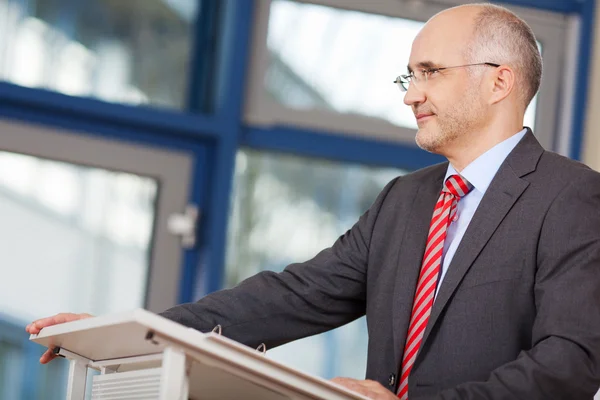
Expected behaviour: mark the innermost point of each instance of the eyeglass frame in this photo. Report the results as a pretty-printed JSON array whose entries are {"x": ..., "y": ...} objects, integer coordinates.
[{"x": 407, "y": 79}]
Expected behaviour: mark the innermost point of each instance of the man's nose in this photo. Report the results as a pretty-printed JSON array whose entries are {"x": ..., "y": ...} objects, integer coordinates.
[{"x": 414, "y": 95}]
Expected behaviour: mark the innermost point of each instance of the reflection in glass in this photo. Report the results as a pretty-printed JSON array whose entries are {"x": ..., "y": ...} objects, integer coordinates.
[
  {"x": 72, "y": 238},
  {"x": 133, "y": 52},
  {"x": 342, "y": 61},
  {"x": 285, "y": 210}
]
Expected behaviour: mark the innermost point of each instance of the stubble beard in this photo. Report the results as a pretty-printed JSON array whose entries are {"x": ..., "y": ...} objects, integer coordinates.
[{"x": 461, "y": 118}]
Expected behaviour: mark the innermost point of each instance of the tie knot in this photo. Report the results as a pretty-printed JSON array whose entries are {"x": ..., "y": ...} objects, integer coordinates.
[{"x": 457, "y": 185}]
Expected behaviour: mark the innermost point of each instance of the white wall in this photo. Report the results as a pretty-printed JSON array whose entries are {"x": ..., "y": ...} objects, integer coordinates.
[{"x": 591, "y": 142}]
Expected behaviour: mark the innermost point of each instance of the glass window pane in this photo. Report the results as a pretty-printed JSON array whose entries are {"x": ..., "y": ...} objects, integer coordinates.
[
  {"x": 72, "y": 238},
  {"x": 286, "y": 209},
  {"x": 134, "y": 51},
  {"x": 338, "y": 60}
]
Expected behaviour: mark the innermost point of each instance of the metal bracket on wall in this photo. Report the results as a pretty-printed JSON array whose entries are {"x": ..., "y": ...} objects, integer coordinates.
[{"x": 185, "y": 225}]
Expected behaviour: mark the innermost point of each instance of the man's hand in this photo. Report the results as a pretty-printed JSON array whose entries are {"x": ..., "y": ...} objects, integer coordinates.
[
  {"x": 36, "y": 326},
  {"x": 371, "y": 389}
]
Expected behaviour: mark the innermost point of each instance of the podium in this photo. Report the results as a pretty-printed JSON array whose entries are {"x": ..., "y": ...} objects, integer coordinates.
[{"x": 141, "y": 355}]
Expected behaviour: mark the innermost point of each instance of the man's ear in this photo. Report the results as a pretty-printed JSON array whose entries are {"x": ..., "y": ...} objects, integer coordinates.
[{"x": 503, "y": 83}]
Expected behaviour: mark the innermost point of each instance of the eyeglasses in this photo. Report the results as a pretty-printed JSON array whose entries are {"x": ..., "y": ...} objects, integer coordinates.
[{"x": 423, "y": 75}]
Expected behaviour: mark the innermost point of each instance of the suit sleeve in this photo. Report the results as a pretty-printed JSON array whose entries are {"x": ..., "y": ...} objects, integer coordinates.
[
  {"x": 564, "y": 362},
  {"x": 304, "y": 299}
]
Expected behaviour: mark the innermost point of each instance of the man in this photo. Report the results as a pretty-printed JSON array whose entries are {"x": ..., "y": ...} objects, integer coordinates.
[{"x": 480, "y": 278}]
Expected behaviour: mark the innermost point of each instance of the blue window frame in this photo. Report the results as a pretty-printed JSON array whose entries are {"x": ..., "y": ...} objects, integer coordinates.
[
  {"x": 217, "y": 84},
  {"x": 212, "y": 127}
]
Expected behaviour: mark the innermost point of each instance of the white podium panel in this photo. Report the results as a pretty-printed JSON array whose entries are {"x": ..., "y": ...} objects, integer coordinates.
[{"x": 144, "y": 356}]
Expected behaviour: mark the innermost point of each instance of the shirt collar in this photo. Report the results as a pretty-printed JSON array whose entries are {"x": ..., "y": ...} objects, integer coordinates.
[{"x": 482, "y": 170}]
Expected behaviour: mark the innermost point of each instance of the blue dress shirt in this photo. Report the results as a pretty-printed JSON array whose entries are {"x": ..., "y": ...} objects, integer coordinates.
[{"x": 480, "y": 174}]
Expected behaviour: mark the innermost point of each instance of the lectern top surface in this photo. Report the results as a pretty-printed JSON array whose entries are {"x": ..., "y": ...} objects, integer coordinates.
[
  {"x": 113, "y": 336},
  {"x": 140, "y": 332}
]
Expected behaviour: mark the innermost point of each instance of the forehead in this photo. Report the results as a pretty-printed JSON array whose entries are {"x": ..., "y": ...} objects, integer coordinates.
[{"x": 442, "y": 42}]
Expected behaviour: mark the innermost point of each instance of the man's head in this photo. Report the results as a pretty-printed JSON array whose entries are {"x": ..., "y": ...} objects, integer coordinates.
[{"x": 454, "y": 105}]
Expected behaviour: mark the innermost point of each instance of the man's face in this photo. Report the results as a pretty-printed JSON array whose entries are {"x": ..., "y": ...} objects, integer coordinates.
[{"x": 449, "y": 103}]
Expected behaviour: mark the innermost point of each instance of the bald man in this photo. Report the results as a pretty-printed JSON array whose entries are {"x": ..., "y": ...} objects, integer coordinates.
[{"x": 479, "y": 277}]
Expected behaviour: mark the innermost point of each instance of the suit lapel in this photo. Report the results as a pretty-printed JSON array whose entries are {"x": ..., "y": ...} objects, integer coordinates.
[
  {"x": 505, "y": 189},
  {"x": 410, "y": 257}
]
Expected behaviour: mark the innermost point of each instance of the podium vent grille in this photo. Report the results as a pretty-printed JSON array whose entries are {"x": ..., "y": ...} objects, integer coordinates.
[{"x": 132, "y": 385}]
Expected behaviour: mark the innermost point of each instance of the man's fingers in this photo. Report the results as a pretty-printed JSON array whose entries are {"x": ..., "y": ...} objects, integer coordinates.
[
  {"x": 349, "y": 383},
  {"x": 36, "y": 326},
  {"x": 342, "y": 381},
  {"x": 47, "y": 356},
  {"x": 368, "y": 388}
]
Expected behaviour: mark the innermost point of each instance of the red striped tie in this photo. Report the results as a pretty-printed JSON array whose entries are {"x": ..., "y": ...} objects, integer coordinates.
[{"x": 445, "y": 209}]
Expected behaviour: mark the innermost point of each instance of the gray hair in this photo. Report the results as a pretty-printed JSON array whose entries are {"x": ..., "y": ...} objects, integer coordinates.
[{"x": 501, "y": 37}]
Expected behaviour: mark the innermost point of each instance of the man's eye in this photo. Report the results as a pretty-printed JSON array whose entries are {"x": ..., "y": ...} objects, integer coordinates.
[{"x": 431, "y": 72}]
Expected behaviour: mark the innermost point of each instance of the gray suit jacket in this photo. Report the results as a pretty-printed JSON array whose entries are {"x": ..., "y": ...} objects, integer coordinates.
[{"x": 517, "y": 315}]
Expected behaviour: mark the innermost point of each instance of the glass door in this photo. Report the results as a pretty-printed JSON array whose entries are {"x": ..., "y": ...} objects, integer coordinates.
[{"x": 83, "y": 229}]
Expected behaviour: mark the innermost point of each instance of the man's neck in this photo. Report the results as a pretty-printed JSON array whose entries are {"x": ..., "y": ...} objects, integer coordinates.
[{"x": 471, "y": 147}]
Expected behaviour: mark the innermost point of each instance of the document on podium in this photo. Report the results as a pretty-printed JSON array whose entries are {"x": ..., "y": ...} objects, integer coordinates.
[{"x": 143, "y": 354}]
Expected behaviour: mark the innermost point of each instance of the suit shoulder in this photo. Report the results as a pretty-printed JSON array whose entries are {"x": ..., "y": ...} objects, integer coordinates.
[
  {"x": 565, "y": 169},
  {"x": 553, "y": 158},
  {"x": 555, "y": 173}
]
